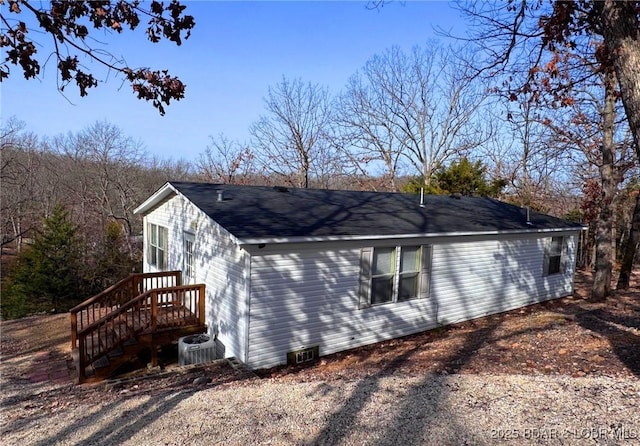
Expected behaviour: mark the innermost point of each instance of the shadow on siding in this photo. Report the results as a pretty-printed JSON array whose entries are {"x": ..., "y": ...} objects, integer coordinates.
[{"x": 520, "y": 279}]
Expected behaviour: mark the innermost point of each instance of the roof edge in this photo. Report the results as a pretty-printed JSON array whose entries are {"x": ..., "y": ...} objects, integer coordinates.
[
  {"x": 340, "y": 238},
  {"x": 158, "y": 197}
]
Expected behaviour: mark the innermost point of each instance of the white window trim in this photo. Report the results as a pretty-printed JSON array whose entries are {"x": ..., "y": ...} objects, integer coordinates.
[
  {"x": 547, "y": 256},
  {"x": 366, "y": 276},
  {"x": 161, "y": 261},
  {"x": 189, "y": 269}
]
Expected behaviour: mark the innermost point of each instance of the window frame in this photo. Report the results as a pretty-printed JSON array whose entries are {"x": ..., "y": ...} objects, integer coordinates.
[
  {"x": 391, "y": 275},
  {"x": 403, "y": 274},
  {"x": 157, "y": 239},
  {"x": 421, "y": 271},
  {"x": 188, "y": 256},
  {"x": 554, "y": 259}
]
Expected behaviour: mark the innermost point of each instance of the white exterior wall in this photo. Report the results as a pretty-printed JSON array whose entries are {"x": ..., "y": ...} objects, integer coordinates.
[
  {"x": 309, "y": 297},
  {"x": 470, "y": 280},
  {"x": 219, "y": 264}
]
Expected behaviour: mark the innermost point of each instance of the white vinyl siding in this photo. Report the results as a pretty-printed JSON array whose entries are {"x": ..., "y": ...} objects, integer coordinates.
[
  {"x": 312, "y": 297},
  {"x": 299, "y": 300},
  {"x": 309, "y": 298},
  {"x": 470, "y": 280},
  {"x": 218, "y": 263}
]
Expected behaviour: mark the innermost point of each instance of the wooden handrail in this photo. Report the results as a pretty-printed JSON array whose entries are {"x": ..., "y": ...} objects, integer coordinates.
[
  {"x": 94, "y": 308},
  {"x": 81, "y": 306},
  {"x": 131, "y": 278},
  {"x": 112, "y": 315},
  {"x": 182, "y": 303}
]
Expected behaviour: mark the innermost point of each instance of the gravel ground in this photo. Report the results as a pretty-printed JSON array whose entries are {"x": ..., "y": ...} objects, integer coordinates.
[
  {"x": 393, "y": 410},
  {"x": 563, "y": 374}
]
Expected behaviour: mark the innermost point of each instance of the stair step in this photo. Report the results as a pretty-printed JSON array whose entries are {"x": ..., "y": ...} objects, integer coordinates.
[
  {"x": 101, "y": 363},
  {"x": 115, "y": 352},
  {"x": 129, "y": 342},
  {"x": 122, "y": 330}
]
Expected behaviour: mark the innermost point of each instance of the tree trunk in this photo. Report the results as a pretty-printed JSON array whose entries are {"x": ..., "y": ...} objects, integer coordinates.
[
  {"x": 622, "y": 36},
  {"x": 621, "y": 32},
  {"x": 630, "y": 248},
  {"x": 604, "y": 225}
]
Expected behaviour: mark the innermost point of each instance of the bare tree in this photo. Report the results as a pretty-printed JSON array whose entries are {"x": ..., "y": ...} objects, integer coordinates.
[
  {"x": 601, "y": 138},
  {"x": 411, "y": 111},
  {"x": 290, "y": 139},
  {"x": 560, "y": 28},
  {"x": 28, "y": 182},
  {"x": 524, "y": 152},
  {"x": 102, "y": 164},
  {"x": 632, "y": 246},
  {"x": 226, "y": 161},
  {"x": 366, "y": 137}
]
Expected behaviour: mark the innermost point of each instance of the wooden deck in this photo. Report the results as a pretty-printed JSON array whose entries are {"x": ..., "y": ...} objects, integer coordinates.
[{"x": 115, "y": 325}]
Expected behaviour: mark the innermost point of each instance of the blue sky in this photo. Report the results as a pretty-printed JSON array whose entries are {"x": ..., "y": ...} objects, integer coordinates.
[{"x": 236, "y": 51}]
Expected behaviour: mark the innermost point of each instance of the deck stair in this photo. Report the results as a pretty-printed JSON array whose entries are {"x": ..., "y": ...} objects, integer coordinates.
[{"x": 141, "y": 312}]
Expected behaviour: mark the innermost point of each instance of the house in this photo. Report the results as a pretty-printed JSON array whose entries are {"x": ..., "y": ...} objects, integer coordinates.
[{"x": 296, "y": 273}]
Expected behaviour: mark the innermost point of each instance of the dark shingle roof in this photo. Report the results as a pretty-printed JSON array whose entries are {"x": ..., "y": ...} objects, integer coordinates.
[{"x": 254, "y": 212}]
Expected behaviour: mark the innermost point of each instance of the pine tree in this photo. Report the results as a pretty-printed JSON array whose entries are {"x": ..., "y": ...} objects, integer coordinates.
[
  {"x": 112, "y": 261},
  {"x": 460, "y": 177},
  {"x": 47, "y": 273}
]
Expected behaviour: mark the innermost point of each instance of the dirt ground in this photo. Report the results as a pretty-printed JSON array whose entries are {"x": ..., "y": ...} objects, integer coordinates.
[{"x": 569, "y": 336}]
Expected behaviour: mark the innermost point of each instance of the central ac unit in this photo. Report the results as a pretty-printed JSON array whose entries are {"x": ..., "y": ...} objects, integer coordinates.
[{"x": 196, "y": 349}]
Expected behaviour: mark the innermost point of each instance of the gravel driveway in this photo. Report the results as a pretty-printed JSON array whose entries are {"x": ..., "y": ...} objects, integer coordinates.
[
  {"x": 391, "y": 410},
  {"x": 534, "y": 379}
]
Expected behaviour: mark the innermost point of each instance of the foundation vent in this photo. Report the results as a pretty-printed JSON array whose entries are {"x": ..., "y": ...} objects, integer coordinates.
[{"x": 304, "y": 355}]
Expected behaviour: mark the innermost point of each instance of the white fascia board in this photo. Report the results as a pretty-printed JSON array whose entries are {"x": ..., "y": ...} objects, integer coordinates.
[
  {"x": 339, "y": 238},
  {"x": 157, "y": 198}
]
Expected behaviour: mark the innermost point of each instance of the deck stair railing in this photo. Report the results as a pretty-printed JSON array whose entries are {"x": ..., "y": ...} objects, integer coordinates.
[{"x": 141, "y": 304}]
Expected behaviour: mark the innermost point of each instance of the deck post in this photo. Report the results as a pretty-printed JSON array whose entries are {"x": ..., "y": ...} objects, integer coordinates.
[
  {"x": 82, "y": 361},
  {"x": 154, "y": 310},
  {"x": 201, "y": 302},
  {"x": 134, "y": 287},
  {"x": 74, "y": 329},
  {"x": 154, "y": 355}
]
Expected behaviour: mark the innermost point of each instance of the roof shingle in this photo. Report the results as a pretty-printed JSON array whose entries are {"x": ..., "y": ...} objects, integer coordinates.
[{"x": 254, "y": 212}]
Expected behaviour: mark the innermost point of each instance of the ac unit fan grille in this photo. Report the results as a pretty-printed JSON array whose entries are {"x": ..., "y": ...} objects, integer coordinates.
[{"x": 196, "y": 349}]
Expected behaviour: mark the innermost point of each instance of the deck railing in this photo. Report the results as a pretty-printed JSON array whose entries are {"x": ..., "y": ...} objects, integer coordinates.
[
  {"x": 99, "y": 306},
  {"x": 152, "y": 311}
]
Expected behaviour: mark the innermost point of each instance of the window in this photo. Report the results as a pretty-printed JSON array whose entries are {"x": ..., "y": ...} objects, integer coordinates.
[
  {"x": 157, "y": 253},
  {"x": 382, "y": 275},
  {"x": 394, "y": 274},
  {"x": 553, "y": 256},
  {"x": 409, "y": 273},
  {"x": 189, "y": 265}
]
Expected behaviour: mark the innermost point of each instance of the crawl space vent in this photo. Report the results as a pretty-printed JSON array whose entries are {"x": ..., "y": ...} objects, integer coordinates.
[{"x": 305, "y": 355}]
